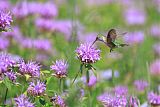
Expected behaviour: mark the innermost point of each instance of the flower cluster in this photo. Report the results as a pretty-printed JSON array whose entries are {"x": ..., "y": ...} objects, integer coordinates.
[
  {"x": 134, "y": 37},
  {"x": 140, "y": 85},
  {"x": 155, "y": 67},
  {"x": 87, "y": 54},
  {"x": 60, "y": 67},
  {"x": 30, "y": 68},
  {"x": 11, "y": 75},
  {"x": 58, "y": 101},
  {"x": 111, "y": 100},
  {"x": 5, "y": 20},
  {"x": 6, "y": 62},
  {"x": 37, "y": 89},
  {"x": 153, "y": 99},
  {"x": 23, "y": 101}
]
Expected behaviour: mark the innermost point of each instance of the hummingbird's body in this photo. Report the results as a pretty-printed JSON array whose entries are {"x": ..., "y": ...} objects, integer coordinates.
[{"x": 110, "y": 40}]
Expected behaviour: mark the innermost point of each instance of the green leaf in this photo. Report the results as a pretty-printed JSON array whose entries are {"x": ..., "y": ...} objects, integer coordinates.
[
  {"x": 48, "y": 80},
  {"x": 7, "y": 83},
  {"x": 42, "y": 101},
  {"x": 45, "y": 71}
]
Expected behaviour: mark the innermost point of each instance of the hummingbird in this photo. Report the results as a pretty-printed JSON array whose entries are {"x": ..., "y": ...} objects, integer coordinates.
[{"x": 109, "y": 40}]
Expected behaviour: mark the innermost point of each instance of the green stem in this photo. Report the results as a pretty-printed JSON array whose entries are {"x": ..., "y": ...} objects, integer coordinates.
[
  {"x": 5, "y": 96},
  {"x": 59, "y": 84}
]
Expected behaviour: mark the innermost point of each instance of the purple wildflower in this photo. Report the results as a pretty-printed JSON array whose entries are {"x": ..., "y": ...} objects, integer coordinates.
[
  {"x": 37, "y": 89},
  {"x": 89, "y": 38},
  {"x": 155, "y": 67},
  {"x": 45, "y": 25},
  {"x": 30, "y": 68},
  {"x": 23, "y": 101},
  {"x": 48, "y": 10},
  {"x": 26, "y": 42},
  {"x": 133, "y": 102},
  {"x": 140, "y": 85},
  {"x": 58, "y": 101},
  {"x": 20, "y": 11},
  {"x": 106, "y": 99},
  {"x": 60, "y": 67},
  {"x": 134, "y": 37},
  {"x": 156, "y": 48},
  {"x": 121, "y": 90},
  {"x": 120, "y": 102},
  {"x": 92, "y": 81},
  {"x": 153, "y": 99},
  {"x": 87, "y": 54},
  {"x": 5, "y": 20},
  {"x": 42, "y": 44},
  {"x": 4, "y": 43},
  {"x": 155, "y": 32},
  {"x": 6, "y": 62},
  {"x": 5, "y": 5},
  {"x": 11, "y": 75},
  {"x": 134, "y": 16}
]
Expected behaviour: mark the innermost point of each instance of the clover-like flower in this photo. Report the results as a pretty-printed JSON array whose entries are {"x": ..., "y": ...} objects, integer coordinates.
[
  {"x": 58, "y": 101},
  {"x": 60, "y": 67},
  {"x": 140, "y": 85},
  {"x": 37, "y": 89},
  {"x": 154, "y": 99},
  {"x": 5, "y": 20},
  {"x": 86, "y": 53},
  {"x": 23, "y": 101},
  {"x": 30, "y": 68}
]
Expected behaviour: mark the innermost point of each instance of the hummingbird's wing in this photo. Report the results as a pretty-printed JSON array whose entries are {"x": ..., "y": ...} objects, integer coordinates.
[{"x": 111, "y": 36}]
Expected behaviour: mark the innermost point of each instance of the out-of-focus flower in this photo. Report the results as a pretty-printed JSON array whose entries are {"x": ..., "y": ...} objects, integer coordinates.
[
  {"x": 4, "y": 43},
  {"x": 134, "y": 16},
  {"x": 153, "y": 99},
  {"x": 87, "y": 53},
  {"x": 107, "y": 74},
  {"x": 121, "y": 90},
  {"x": 6, "y": 62},
  {"x": 109, "y": 100},
  {"x": 155, "y": 32},
  {"x": 26, "y": 42},
  {"x": 20, "y": 10},
  {"x": 42, "y": 44},
  {"x": 156, "y": 48},
  {"x": 155, "y": 67},
  {"x": 37, "y": 89},
  {"x": 30, "y": 68},
  {"x": 134, "y": 37},
  {"x": 58, "y": 101},
  {"x": 5, "y": 20},
  {"x": 92, "y": 80},
  {"x": 23, "y": 101},
  {"x": 45, "y": 25},
  {"x": 87, "y": 38},
  {"x": 48, "y": 10},
  {"x": 60, "y": 67},
  {"x": 11, "y": 75},
  {"x": 5, "y": 5},
  {"x": 140, "y": 85}
]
